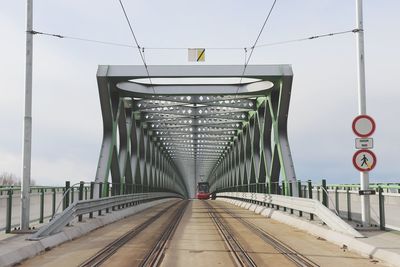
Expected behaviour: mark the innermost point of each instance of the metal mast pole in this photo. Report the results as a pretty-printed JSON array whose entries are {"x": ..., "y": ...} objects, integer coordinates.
[
  {"x": 362, "y": 107},
  {"x": 26, "y": 167}
]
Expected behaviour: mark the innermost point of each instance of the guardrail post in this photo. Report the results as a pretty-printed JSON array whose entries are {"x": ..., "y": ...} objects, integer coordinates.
[
  {"x": 290, "y": 189},
  {"x": 348, "y": 197},
  {"x": 72, "y": 195},
  {"x": 41, "y": 212},
  {"x": 113, "y": 189},
  {"x": 310, "y": 196},
  {"x": 300, "y": 195},
  {"x": 91, "y": 197},
  {"x": 9, "y": 211},
  {"x": 66, "y": 199},
  {"x": 324, "y": 193},
  {"x": 283, "y": 192},
  {"x": 53, "y": 202},
  {"x": 274, "y": 188},
  {"x": 309, "y": 187},
  {"x": 122, "y": 192},
  {"x": 86, "y": 189},
  {"x": 80, "y": 197},
  {"x": 107, "y": 190},
  {"x": 337, "y": 200},
  {"x": 100, "y": 194},
  {"x": 108, "y": 193},
  {"x": 381, "y": 209}
]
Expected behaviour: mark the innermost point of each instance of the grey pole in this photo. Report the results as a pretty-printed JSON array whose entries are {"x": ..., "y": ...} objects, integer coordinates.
[
  {"x": 26, "y": 167},
  {"x": 362, "y": 107}
]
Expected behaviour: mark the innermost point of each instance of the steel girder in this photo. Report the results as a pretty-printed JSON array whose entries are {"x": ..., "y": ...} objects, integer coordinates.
[{"x": 195, "y": 122}]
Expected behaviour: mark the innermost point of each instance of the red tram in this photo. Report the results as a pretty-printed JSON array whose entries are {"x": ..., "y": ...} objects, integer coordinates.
[{"x": 203, "y": 190}]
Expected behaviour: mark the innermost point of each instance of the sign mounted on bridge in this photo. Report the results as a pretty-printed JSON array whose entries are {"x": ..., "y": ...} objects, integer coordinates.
[
  {"x": 367, "y": 192},
  {"x": 364, "y": 160},
  {"x": 197, "y": 54},
  {"x": 363, "y": 126},
  {"x": 364, "y": 143}
]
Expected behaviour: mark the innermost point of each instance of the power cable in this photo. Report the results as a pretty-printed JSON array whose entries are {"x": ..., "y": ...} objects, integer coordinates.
[
  {"x": 81, "y": 39},
  {"x": 308, "y": 38},
  {"x": 137, "y": 45},
  {"x": 185, "y": 48},
  {"x": 254, "y": 45}
]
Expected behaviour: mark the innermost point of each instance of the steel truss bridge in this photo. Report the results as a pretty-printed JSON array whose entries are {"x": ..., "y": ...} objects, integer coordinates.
[{"x": 184, "y": 124}]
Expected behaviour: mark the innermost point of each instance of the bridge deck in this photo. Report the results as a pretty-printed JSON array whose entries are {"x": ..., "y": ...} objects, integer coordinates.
[{"x": 197, "y": 240}]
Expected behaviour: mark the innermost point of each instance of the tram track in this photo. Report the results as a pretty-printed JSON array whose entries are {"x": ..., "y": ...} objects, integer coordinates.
[
  {"x": 293, "y": 255},
  {"x": 156, "y": 254},
  {"x": 109, "y": 250},
  {"x": 241, "y": 257}
]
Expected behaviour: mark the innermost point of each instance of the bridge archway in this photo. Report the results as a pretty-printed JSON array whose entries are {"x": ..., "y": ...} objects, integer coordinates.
[{"x": 183, "y": 124}]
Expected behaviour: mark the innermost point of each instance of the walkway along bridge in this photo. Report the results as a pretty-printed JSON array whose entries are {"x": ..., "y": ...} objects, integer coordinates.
[{"x": 184, "y": 124}]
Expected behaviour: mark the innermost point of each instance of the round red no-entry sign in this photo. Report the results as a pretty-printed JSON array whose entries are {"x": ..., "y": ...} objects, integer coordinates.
[
  {"x": 364, "y": 160},
  {"x": 363, "y": 126}
]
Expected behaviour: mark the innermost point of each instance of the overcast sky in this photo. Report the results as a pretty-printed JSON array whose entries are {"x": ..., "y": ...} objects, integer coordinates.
[{"x": 67, "y": 127}]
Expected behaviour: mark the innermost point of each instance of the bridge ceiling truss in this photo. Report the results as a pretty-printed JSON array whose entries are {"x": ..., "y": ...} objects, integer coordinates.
[{"x": 197, "y": 119}]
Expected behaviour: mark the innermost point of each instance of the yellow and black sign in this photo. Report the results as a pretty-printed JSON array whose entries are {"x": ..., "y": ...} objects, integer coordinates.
[{"x": 197, "y": 54}]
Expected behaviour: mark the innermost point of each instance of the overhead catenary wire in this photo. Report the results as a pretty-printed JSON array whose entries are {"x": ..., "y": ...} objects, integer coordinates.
[
  {"x": 81, "y": 39},
  {"x": 313, "y": 37},
  {"x": 137, "y": 45},
  {"x": 308, "y": 38},
  {"x": 254, "y": 45}
]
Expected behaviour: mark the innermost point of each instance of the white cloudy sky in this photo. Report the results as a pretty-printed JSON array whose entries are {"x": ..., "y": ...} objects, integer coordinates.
[{"x": 66, "y": 113}]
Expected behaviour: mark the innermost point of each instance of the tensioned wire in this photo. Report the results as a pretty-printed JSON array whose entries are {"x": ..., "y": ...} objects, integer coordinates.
[
  {"x": 313, "y": 37},
  {"x": 137, "y": 45},
  {"x": 246, "y": 63}
]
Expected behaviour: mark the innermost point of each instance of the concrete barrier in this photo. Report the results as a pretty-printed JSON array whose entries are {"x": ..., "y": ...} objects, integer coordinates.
[{"x": 353, "y": 244}]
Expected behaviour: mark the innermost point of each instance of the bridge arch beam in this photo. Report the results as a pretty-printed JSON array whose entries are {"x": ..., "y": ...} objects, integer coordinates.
[{"x": 195, "y": 123}]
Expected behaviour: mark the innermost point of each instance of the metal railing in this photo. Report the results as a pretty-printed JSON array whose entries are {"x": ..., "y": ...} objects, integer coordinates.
[
  {"x": 43, "y": 203},
  {"x": 46, "y": 200},
  {"x": 310, "y": 206},
  {"x": 82, "y": 207},
  {"x": 343, "y": 199}
]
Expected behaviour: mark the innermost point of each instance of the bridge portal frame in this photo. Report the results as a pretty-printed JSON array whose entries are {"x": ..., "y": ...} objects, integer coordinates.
[{"x": 254, "y": 158}]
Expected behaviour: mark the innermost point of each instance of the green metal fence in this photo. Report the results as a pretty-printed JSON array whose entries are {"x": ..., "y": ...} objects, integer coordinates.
[
  {"x": 59, "y": 198},
  {"x": 342, "y": 198}
]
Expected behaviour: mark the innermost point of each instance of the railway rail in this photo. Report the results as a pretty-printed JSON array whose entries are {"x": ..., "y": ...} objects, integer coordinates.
[
  {"x": 241, "y": 257},
  {"x": 156, "y": 253},
  {"x": 296, "y": 257},
  {"x": 101, "y": 256}
]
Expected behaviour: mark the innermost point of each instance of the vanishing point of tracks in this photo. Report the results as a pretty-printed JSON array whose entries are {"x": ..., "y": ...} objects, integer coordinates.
[
  {"x": 155, "y": 253},
  {"x": 242, "y": 258}
]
